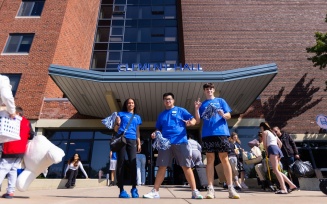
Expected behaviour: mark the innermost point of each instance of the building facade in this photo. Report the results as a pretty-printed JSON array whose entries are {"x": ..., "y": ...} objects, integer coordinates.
[{"x": 109, "y": 36}]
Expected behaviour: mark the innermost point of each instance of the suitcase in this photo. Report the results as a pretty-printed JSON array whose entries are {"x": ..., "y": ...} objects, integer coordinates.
[{"x": 200, "y": 176}]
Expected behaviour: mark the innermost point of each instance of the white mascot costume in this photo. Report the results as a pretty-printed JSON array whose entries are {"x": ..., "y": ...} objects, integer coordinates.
[{"x": 40, "y": 154}]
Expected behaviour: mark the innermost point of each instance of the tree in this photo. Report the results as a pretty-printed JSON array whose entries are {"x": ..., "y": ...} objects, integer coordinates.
[{"x": 320, "y": 51}]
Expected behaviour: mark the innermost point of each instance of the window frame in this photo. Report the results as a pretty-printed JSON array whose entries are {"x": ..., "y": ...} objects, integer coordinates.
[
  {"x": 31, "y": 9},
  {"x": 19, "y": 44}
]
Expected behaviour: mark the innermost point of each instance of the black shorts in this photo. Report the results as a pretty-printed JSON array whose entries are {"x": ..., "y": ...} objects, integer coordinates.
[{"x": 213, "y": 144}]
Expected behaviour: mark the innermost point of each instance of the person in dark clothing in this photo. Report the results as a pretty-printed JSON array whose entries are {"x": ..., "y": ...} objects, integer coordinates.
[
  {"x": 290, "y": 152},
  {"x": 13, "y": 153},
  {"x": 129, "y": 118}
]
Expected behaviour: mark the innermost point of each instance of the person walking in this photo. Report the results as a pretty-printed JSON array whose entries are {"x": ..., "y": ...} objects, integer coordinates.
[
  {"x": 238, "y": 150},
  {"x": 74, "y": 163},
  {"x": 112, "y": 167},
  {"x": 128, "y": 117},
  {"x": 13, "y": 153},
  {"x": 6, "y": 96},
  {"x": 141, "y": 159},
  {"x": 172, "y": 123},
  {"x": 290, "y": 152},
  {"x": 272, "y": 145},
  {"x": 215, "y": 112}
]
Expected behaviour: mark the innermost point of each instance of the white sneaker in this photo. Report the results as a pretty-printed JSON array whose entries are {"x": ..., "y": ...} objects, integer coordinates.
[
  {"x": 196, "y": 195},
  {"x": 243, "y": 185},
  {"x": 232, "y": 193},
  {"x": 153, "y": 194},
  {"x": 210, "y": 193}
]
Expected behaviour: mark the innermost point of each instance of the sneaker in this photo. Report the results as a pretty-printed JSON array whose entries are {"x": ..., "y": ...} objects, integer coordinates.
[
  {"x": 196, "y": 195},
  {"x": 153, "y": 194},
  {"x": 134, "y": 193},
  {"x": 124, "y": 194},
  {"x": 233, "y": 194},
  {"x": 8, "y": 195},
  {"x": 112, "y": 183},
  {"x": 210, "y": 193},
  {"x": 243, "y": 185},
  {"x": 238, "y": 188}
]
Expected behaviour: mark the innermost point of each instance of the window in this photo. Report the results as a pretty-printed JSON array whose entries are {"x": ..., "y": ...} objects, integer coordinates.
[
  {"x": 31, "y": 8},
  {"x": 14, "y": 82},
  {"x": 19, "y": 43}
]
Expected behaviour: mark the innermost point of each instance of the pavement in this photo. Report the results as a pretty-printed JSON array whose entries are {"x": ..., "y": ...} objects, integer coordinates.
[{"x": 168, "y": 194}]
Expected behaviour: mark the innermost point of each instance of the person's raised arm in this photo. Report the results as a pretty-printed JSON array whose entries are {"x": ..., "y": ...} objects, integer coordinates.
[{"x": 197, "y": 105}]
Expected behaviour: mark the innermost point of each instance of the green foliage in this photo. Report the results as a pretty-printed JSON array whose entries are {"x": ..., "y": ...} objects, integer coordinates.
[{"x": 320, "y": 51}]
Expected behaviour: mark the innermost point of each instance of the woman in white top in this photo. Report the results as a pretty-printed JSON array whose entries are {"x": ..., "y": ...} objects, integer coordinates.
[
  {"x": 272, "y": 145},
  {"x": 71, "y": 171}
]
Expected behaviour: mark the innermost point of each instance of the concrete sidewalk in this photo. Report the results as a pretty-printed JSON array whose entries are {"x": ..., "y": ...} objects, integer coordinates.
[{"x": 168, "y": 194}]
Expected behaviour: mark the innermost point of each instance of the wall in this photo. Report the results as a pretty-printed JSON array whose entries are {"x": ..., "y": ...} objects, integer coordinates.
[{"x": 223, "y": 35}]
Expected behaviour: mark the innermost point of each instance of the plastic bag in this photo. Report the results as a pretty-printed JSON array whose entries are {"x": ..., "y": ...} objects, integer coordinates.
[{"x": 302, "y": 169}]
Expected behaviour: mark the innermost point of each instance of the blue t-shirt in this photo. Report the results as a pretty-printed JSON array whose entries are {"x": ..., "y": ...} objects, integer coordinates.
[
  {"x": 216, "y": 125},
  {"x": 170, "y": 123},
  {"x": 113, "y": 156},
  {"x": 131, "y": 131}
]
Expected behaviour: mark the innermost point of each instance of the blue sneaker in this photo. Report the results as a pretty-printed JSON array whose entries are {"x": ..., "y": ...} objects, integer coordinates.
[
  {"x": 124, "y": 194},
  {"x": 134, "y": 193}
]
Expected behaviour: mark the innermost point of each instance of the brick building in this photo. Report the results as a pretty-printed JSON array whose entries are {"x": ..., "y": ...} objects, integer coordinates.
[{"x": 52, "y": 50}]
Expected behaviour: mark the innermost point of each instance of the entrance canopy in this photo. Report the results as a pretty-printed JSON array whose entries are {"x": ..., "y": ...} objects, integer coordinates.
[{"x": 99, "y": 94}]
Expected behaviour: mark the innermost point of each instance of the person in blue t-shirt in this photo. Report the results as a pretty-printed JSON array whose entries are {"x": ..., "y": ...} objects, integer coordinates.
[
  {"x": 132, "y": 146},
  {"x": 112, "y": 167},
  {"x": 172, "y": 123},
  {"x": 214, "y": 113}
]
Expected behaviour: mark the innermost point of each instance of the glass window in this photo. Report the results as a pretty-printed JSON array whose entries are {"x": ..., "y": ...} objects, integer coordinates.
[
  {"x": 31, "y": 8},
  {"x": 100, "y": 155},
  {"x": 106, "y": 134},
  {"x": 19, "y": 43},
  {"x": 158, "y": 2},
  {"x": 131, "y": 23},
  {"x": 14, "y": 81},
  {"x": 157, "y": 10},
  {"x": 170, "y": 31},
  {"x": 145, "y": 57},
  {"x": 117, "y": 22},
  {"x": 129, "y": 47},
  {"x": 171, "y": 46},
  {"x": 158, "y": 57},
  {"x": 170, "y": 12},
  {"x": 132, "y": 12},
  {"x": 145, "y": 12},
  {"x": 115, "y": 46},
  {"x": 117, "y": 30},
  {"x": 56, "y": 135},
  {"x": 82, "y": 147},
  {"x": 99, "y": 59},
  {"x": 129, "y": 57},
  {"x": 172, "y": 56},
  {"x": 131, "y": 35},
  {"x": 157, "y": 46},
  {"x": 144, "y": 23},
  {"x": 105, "y": 12},
  {"x": 145, "y": 34},
  {"x": 102, "y": 34},
  {"x": 107, "y": 1},
  {"x": 114, "y": 56},
  {"x": 143, "y": 46},
  {"x": 133, "y": 1},
  {"x": 81, "y": 135},
  {"x": 120, "y": 1}
]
